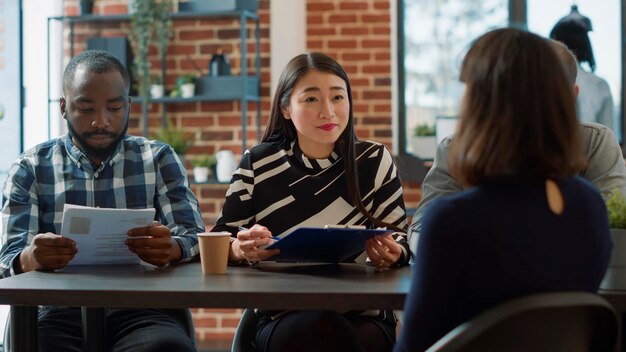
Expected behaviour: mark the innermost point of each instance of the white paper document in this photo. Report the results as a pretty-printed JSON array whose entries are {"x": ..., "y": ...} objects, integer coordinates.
[{"x": 100, "y": 233}]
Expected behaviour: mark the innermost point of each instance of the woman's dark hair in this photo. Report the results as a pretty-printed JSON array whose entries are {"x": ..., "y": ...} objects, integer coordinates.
[
  {"x": 281, "y": 131},
  {"x": 518, "y": 115},
  {"x": 574, "y": 35}
]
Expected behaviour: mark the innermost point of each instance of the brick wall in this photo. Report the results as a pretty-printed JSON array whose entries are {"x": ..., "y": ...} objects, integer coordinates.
[{"x": 356, "y": 33}]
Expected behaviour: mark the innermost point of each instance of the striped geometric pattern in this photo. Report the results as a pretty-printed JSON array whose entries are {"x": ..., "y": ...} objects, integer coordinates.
[{"x": 282, "y": 190}]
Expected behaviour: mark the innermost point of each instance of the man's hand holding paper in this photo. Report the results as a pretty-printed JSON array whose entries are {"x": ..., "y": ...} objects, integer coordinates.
[
  {"x": 47, "y": 251},
  {"x": 154, "y": 244},
  {"x": 101, "y": 235}
]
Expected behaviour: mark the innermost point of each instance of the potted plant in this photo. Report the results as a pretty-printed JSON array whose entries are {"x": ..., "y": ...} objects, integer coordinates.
[
  {"x": 202, "y": 166},
  {"x": 175, "y": 137},
  {"x": 150, "y": 24},
  {"x": 186, "y": 85},
  {"x": 157, "y": 89},
  {"x": 616, "y": 208},
  {"x": 423, "y": 141}
]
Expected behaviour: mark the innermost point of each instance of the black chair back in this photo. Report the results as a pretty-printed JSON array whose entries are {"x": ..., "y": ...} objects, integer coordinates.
[{"x": 555, "y": 322}]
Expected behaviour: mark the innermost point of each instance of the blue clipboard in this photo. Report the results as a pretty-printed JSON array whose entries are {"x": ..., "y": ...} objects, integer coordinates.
[{"x": 323, "y": 245}]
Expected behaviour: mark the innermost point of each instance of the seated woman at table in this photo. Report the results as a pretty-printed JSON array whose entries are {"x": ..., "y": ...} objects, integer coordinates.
[
  {"x": 526, "y": 223},
  {"x": 311, "y": 170}
]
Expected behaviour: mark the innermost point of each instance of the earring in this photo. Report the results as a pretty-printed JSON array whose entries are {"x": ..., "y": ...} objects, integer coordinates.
[{"x": 93, "y": 123}]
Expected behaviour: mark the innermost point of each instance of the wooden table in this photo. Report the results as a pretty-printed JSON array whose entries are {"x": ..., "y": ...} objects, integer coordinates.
[{"x": 265, "y": 285}]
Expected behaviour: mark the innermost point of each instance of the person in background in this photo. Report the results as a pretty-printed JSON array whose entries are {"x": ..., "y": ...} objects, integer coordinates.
[
  {"x": 97, "y": 164},
  {"x": 604, "y": 168},
  {"x": 595, "y": 102},
  {"x": 311, "y": 170},
  {"x": 526, "y": 223}
]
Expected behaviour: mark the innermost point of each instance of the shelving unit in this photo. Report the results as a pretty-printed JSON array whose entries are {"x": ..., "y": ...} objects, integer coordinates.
[{"x": 250, "y": 84}]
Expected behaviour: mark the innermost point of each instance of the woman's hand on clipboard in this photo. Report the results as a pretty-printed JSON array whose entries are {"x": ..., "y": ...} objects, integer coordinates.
[
  {"x": 246, "y": 246},
  {"x": 383, "y": 251}
]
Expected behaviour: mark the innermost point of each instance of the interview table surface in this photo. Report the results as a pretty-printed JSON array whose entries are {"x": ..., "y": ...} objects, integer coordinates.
[{"x": 264, "y": 285}]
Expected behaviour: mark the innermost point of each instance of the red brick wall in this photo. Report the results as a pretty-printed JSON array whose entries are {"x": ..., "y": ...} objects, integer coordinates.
[{"x": 356, "y": 33}]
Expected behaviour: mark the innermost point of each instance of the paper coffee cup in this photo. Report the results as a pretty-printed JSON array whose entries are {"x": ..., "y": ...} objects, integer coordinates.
[{"x": 214, "y": 251}]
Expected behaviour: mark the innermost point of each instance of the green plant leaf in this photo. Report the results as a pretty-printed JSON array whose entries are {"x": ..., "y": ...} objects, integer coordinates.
[
  {"x": 424, "y": 129},
  {"x": 184, "y": 79},
  {"x": 150, "y": 24},
  {"x": 176, "y": 138},
  {"x": 203, "y": 160},
  {"x": 616, "y": 208}
]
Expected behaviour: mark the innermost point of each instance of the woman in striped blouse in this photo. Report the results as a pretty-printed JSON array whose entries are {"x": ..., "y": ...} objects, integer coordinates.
[{"x": 311, "y": 170}]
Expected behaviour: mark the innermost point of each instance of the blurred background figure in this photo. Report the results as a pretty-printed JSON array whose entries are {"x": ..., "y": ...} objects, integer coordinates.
[{"x": 595, "y": 102}]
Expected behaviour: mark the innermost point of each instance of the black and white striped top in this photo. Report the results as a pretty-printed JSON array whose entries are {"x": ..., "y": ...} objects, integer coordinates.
[{"x": 282, "y": 189}]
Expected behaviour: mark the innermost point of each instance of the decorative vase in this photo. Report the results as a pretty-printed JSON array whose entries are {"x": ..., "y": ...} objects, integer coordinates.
[
  {"x": 200, "y": 174},
  {"x": 225, "y": 165},
  {"x": 615, "y": 277},
  {"x": 187, "y": 90},
  {"x": 219, "y": 65},
  {"x": 86, "y": 7}
]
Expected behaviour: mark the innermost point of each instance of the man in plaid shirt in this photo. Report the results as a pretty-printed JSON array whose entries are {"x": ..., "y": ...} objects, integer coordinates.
[{"x": 96, "y": 164}]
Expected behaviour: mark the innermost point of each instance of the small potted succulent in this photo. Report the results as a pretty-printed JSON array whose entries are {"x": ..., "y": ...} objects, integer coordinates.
[
  {"x": 202, "y": 166},
  {"x": 423, "y": 141},
  {"x": 186, "y": 84},
  {"x": 157, "y": 89}
]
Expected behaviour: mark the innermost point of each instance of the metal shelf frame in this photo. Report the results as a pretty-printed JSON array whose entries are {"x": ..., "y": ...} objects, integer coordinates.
[{"x": 243, "y": 15}]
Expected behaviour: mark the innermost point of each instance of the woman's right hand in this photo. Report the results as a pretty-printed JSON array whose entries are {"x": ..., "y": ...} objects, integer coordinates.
[{"x": 247, "y": 244}]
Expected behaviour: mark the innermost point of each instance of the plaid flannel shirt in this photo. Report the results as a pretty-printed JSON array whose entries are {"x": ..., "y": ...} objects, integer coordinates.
[{"x": 139, "y": 174}]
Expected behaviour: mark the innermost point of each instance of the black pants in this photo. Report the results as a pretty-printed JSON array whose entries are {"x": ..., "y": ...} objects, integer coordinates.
[
  {"x": 328, "y": 331},
  {"x": 60, "y": 329}
]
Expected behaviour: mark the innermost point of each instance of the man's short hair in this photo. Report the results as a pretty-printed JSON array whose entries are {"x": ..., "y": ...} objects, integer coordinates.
[
  {"x": 96, "y": 61},
  {"x": 570, "y": 64}
]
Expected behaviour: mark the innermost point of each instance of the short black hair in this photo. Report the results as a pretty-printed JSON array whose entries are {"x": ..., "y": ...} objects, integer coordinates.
[
  {"x": 97, "y": 61},
  {"x": 574, "y": 36}
]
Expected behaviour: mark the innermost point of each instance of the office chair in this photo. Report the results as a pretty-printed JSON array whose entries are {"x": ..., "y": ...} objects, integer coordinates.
[
  {"x": 183, "y": 315},
  {"x": 244, "y": 335},
  {"x": 555, "y": 322}
]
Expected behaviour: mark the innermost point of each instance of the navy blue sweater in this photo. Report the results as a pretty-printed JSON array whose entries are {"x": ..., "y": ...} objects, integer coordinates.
[{"x": 495, "y": 242}]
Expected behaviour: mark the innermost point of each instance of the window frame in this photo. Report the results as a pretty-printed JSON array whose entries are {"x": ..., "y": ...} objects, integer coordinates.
[{"x": 517, "y": 18}]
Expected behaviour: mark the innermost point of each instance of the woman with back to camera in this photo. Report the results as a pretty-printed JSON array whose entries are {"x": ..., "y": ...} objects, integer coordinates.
[
  {"x": 525, "y": 223},
  {"x": 311, "y": 170}
]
